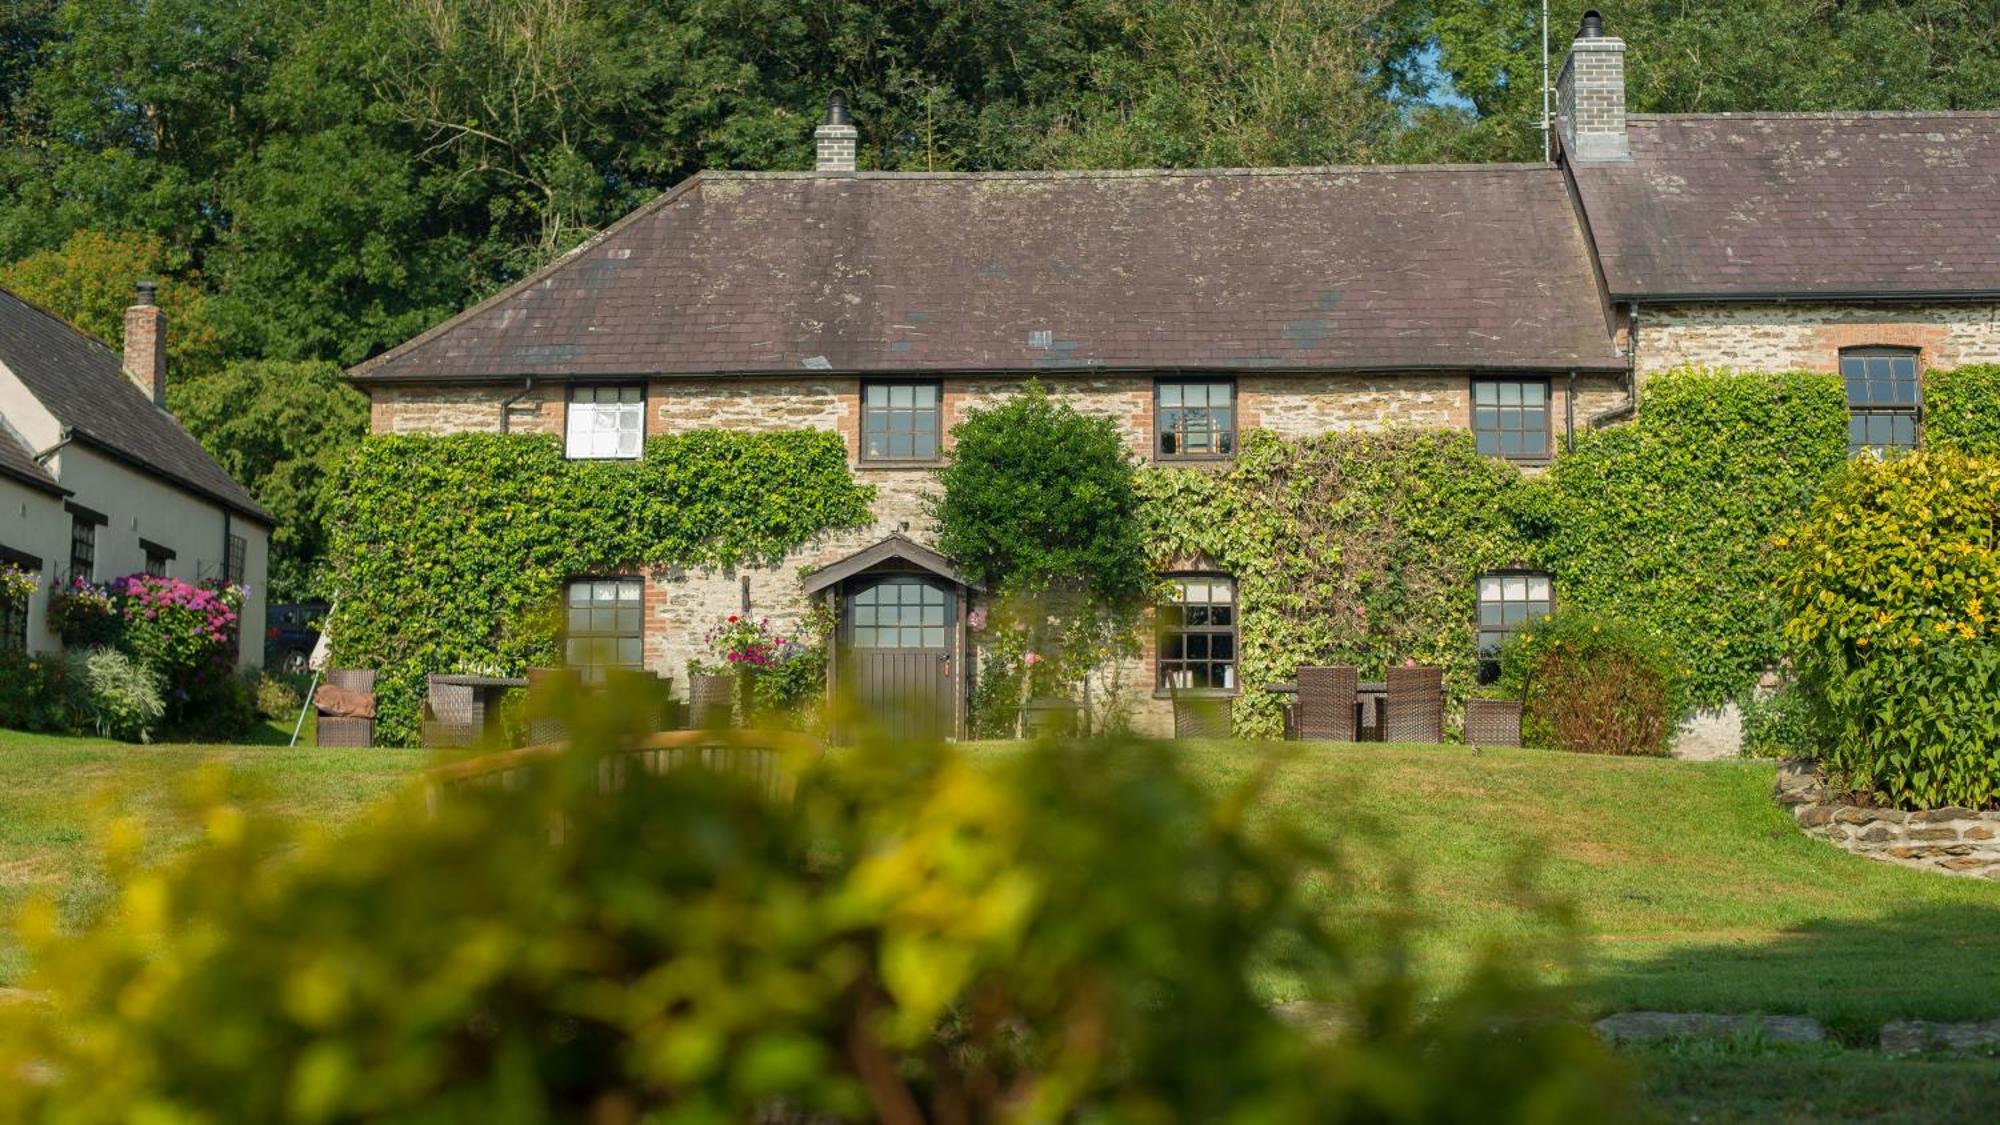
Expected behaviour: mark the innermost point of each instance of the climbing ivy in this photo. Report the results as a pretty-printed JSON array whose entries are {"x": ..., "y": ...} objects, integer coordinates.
[
  {"x": 452, "y": 550},
  {"x": 1350, "y": 548},
  {"x": 1962, "y": 408}
]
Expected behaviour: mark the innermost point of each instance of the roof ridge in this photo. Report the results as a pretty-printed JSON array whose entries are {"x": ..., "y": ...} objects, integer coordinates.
[
  {"x": 1816, "y": 115},
  {"x": 1301, "y": 170}
]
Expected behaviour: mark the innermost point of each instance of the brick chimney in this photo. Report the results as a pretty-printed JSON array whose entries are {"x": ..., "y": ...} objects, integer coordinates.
[
  {"x": 146, "y": 343},
  {"x": 834, "y": 139},
  {"x": 1590, "y": 95}
]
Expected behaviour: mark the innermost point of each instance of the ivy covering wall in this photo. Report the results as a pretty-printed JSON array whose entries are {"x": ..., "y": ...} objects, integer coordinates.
[
  {"x": 452, "y": 550},
  {"x": 1962, "y": 409}
]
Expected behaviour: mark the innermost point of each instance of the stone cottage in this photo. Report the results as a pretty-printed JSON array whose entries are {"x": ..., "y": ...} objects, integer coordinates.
[{"x": 1520, "y": 301}]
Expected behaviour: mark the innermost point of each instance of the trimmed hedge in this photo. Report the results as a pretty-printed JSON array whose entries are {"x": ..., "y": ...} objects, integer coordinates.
[
  {"x": 1962, "y": 409},
  {"x": 452, "y": 550}
]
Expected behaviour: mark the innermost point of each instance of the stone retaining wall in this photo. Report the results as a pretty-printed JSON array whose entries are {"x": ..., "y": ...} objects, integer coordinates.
[{"x": 1955, "y": 841}]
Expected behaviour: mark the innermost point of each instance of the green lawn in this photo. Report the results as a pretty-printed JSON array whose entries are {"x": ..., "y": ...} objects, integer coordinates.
[{"x": 1690, "y": 888}]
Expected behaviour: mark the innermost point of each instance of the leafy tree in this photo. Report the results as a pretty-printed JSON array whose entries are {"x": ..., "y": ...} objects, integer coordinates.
[
  {"x": 89, "y": 281},
  {"x": 283, "y": 430}
]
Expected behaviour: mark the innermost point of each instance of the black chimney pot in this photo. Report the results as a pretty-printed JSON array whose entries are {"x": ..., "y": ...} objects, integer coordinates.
[
  {"x": 145, "y": 292},
  {"x": 1593, "y": 26},
  {"x": 836, "y": 109}
]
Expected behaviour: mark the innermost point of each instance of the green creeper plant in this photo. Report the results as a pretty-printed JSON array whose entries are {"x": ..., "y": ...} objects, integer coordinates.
[
  {"x": 452, "y": 550},
  {"x": 1962, "y": 408}
]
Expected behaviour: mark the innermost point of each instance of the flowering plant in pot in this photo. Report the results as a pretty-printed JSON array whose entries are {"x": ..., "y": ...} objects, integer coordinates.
[
  {"x": 16, "y": 585},
  {"x": 83, "y": 614}
]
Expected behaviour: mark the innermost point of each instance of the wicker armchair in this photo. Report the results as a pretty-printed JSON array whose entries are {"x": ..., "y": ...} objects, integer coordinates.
[
  {"x": 451, "y": 714},
  {"x": 711, "y": 702},
  {"x": 1200, "y": 716},
  {"x": 1413, "y": 709},
  {"x": 1327, "y": 703},
  {"x": 338, "y": 730},
  {"x": 1493, "y": 722}
]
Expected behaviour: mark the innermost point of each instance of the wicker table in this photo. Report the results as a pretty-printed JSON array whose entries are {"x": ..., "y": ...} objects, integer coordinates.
[
  {"x": 1368, "y": 697},
  {"x": 467, "y": 705}
]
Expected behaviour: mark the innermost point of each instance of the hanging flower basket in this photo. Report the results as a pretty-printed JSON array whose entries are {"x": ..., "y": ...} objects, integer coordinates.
[{"x": 16, "y": 585}]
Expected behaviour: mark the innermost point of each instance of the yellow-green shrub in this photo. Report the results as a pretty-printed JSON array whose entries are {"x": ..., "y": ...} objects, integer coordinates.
[
  {"x": 1893, "y": 588},
  {"x": 1071, "y": 933}
]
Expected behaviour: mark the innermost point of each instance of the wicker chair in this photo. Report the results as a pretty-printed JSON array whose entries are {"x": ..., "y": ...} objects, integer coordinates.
[
  {"x": 1200, "y": 716},
  {"x": 1327, "y": 703},
  {"x": 452, "y": 716},
  {"x": 544, "y": 728},
  {"x": 711, "y": 702},
  {"x": 338, "y": 730},
  {"x": 1493, "y": 722},
  {"x": 1413, "y": 710}
]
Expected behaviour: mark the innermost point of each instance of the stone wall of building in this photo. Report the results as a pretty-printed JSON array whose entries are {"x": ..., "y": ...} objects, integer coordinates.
[
  {"x": 1808, "y": 337},
  {"x": 466, "y": 408},
  {"x": 1953, "y": 841}
]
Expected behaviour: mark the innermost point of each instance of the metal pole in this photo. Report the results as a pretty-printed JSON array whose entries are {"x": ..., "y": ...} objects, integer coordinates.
[
  {"x": 301, "y": 724},
  {"x": 1546, "y": 148}
]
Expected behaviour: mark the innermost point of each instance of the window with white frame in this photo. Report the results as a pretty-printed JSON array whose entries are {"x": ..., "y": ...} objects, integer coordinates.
[
  {"x": 606, "y": 423},
  {"x": 603, "y": 626},
  {"x": 1507, "y": 602}
]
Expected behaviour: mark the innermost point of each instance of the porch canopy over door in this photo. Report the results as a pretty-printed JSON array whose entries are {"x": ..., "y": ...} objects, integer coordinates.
[{"x": 899, "y": 649}]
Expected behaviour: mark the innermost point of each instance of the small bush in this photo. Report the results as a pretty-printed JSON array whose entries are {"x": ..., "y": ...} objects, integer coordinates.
[
  {"x": 276, "y": 699},
  {"x": 1894, "y": 590},
  {"x": 1780, "y": 725},
  {"x": 36, "y": 692},
  {"x": 118, "y": 697},
  {"x": 1595, "y": 685}
]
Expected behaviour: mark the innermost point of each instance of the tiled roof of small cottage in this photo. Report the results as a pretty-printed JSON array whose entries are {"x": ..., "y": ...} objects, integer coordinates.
[
  {"x": 1800, "y": 205},
  {"x": 18, "y": 464},
  {"x": 1376, "y": 268},
  {"x": 83, "y": 383}
]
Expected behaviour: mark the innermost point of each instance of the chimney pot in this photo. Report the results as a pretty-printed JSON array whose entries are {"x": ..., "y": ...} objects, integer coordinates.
[
  {"x": 1592, "y": 26},
  {"x": 835, "y": 139},
  {"x": 145, "y": 359}
]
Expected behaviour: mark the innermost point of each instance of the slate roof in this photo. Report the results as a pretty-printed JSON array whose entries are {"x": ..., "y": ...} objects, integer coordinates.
[
  {"x": 83, "y": 384},
  {"x": 18, "y": 463},
  {"x": 1800, "y": 205},
  {"x": 1376, "y": 268}
]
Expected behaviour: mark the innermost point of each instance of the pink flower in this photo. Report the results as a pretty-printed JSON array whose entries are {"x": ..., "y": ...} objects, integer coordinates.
[{"x": 1032, "y": 659}]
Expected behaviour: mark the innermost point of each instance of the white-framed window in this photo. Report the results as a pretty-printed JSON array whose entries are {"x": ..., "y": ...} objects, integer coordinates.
[
  {"x": 603, "y": 626},
  {"x": 606, "y": 422},
  {"x": 1508, "y": 601},
  {"x": 1197, "y": 634}
]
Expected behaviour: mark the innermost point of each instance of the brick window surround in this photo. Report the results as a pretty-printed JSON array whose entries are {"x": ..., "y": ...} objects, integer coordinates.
[
  {"x": 1194, "y": 419},
  {"x": 1884, "y": 397},
  {"x": 1510, "y": 417},
  {"x": 1196, "y": 627},
  {"x": 901, "y": 420},
  {"x": 605, "y": 422}
]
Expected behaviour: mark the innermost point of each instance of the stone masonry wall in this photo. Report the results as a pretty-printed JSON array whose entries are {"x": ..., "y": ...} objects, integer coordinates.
[
  {"x": 1953, "y": 841},
  {"x": 1808, "y": 337}
]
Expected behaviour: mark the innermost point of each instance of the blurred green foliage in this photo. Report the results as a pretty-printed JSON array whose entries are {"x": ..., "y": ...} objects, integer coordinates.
[{"x": 1070, "y": 933}]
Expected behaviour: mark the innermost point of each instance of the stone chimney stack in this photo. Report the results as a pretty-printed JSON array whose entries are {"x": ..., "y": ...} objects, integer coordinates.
[
  {"x": 146, "y": 343},
  {"x": 1590, "y": 95},
  {"x": 835, "y": 137}
]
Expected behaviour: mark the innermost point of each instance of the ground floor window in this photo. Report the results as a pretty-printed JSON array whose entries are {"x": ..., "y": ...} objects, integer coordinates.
[
  {"x": 14, "y": 610},
  {"x": 1197, "y": 634},
  {"x": 1507, "y": 602},
  {"x": 1884, "y": 399},
  {"x": 232, "y": 562},
  {"x": 604, "y": 626}
]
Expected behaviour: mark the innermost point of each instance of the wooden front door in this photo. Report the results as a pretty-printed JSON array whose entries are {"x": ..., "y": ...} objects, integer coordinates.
[{"x": 899, "y": 636}]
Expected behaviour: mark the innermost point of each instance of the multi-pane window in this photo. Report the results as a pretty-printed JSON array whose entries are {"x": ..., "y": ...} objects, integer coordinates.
[
  {"x": 899, "y": 421},
  {"x": 14, "y": 614},
  {"x": 233, "y": 561},
  {"x": 1510, "y": 417},
  {"x": 1194, "y": 420},
  {"x": 158, "y": 558},
  {"x": 907, "y": 613},
  {"x": 82, "y": 547},
  {"x": 1883, "y": 399},
  {"x": 605, "y": 628},
  {"x": 606, "y": 422},
  {"x": 1197, "y": 634},
  {"x": 1507, "y": 602}
]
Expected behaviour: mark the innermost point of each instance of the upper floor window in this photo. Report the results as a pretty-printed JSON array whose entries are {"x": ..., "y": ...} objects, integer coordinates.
[
  {"x": 1510, "y": 417},
  {"x": 603, "y": 627},
  {"x": 606, "y": 422},
  {"x": 233, "y": 560},
  {"x": 1194, "y": 420},
  {"x": 1507, "y": 602},
  {"x": 83, "y": 525},
  {"x": 1197, "y": 634},
  {"x": 900, "y": 421},
  {"x": 1884, "y": 401}
]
